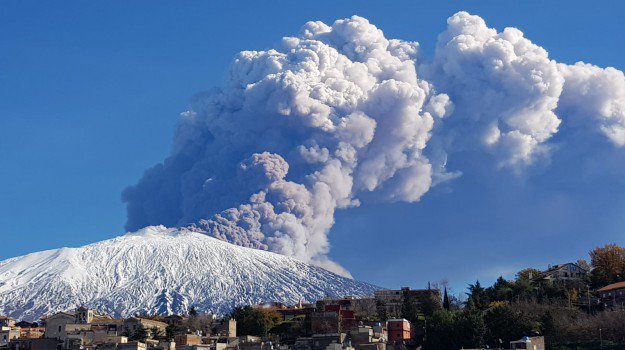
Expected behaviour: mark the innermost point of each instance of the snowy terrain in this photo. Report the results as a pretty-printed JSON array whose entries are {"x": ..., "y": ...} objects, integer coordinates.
[{"x": 160, "y": 270}]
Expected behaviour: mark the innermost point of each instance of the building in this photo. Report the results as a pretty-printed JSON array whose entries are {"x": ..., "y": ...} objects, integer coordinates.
[
  {"x": 55, "y": 325},
  {"x": 25, "y": 324},
  {"x": 613, "y": 294},
  {"x": 35, "y": 344},
  {"x": 530, "y": 343},
  {"x": 84, "y": 315},
  {"x": 398, "y": 330},
  {"x": 291, "y": 313},
  {"x": 176, "y": 320},
  {"x": 132, "y": 324},
  {"x": 227, "y": 329},
  {"x": 569, "y": 272},
  {"x": 187, "y": 339},
  {"x": 134, "y": 345},
  {"x": 393, "y": 301},
  {"x": 7, "y": 334},
  {"x": 83, "y": 329},
  {"x": 32, "y": 332},
  {"x": 330, "y": 341},
  {"x": 330, "y": 318},
  {"x": 6, "y": 321}
]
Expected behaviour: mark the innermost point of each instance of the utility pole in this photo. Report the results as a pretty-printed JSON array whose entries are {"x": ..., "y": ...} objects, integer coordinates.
[
  {"x": 589, "y": 308},
  {"x": 600, "y": 339}
]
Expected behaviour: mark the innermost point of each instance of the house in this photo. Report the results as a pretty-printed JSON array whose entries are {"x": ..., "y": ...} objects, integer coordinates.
[
  {"x": 83, "y": 329},
  {"x": 291, "y": 313},
  {"x": 613, "y": 294},
  {"x": 246, "y": 342},
  {"x": 132, "y": 324},
  {"x": 55, "y": 324},
  {"x": 135, "y": 345},
  {"x": 330, "y": 341},
  {"x": 568, "y": 272},
  {"x": 35, "y": 344},
  {"x": 398, "y": 330},
  {"x": 530, "y": 343},
  {"x": 25, "y": 324},
  {"x": 325, "y": 320},
  {"x": 394, "y": 300},
  {"x": 32, "y": 332},
  {"x": 77, "y": 335},
  {"x": 6, "y": 321},
  {"x": 360, "y": 335},
  {"x": 7, "y": 334},
  {"x": 188, "y": 339},
  {"x": 176, "y": 320}
]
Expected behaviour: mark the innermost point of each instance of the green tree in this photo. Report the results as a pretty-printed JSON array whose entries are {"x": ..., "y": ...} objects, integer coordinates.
[
  {"x": 501, "y": 290},
  {"x": 522, "y": 289},
  {"x": 252, "y": 321},
  {"x": 446, "y": 304},
  {"x": 409, "y": 308},
  {"x": 470, "y": 328},
  {"x": 504, "y": 324},
  {"x": 289, "y": 331},
  {"x": 156, "y": 333},
  {"x": 454, "y": 330},
  {"x": 173, "y": 330},
  {"x": 140, "y": 334},
  {"x": 478, "y": 296},
  {"x": 381, "y": 310}
]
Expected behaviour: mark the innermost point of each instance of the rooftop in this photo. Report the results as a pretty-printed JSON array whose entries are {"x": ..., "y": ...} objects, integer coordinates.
[{"x": 612, "y": 286}]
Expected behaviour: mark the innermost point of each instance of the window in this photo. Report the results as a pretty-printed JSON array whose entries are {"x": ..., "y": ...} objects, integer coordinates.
[{"x": 60, "y": 329}]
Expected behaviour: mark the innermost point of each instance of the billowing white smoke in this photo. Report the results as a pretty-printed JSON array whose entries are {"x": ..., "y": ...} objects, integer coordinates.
[
  {"x": 505, "y": 89},
  {"x": 341, "y": 114}
]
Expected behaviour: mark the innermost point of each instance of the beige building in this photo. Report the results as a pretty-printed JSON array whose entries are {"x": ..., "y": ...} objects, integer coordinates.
[
  {"x": 188, "y": 339},
  {"x": 7, "y": 334},
  {"x": 32, "y": 332},
  {"x": 134, "y": 323},
  {"x": 83, "y": 329},
  {"x": 55, "y": 324},
  {"x": 568, "y": 272}
]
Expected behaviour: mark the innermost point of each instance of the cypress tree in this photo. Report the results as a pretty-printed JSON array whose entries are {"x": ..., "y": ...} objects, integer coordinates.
[{"x": 446, "y": 300}]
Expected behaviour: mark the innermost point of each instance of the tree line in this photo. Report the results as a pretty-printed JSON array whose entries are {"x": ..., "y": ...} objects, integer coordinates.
[{"x": 566, "y": 313}]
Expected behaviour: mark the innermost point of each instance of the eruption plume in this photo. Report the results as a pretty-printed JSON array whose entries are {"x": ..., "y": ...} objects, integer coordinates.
[{"x": 340, "y": 115}]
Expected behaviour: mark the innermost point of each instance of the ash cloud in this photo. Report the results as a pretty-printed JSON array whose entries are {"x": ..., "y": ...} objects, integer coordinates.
[{"x": 340, "y": 115}]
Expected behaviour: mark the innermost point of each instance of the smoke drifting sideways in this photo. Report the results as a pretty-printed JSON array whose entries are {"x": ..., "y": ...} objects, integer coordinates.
[{"x": 340, "y": 115}]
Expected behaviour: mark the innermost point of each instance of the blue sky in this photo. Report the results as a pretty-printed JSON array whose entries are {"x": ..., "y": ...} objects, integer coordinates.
[{"x": 90, "y": 93}]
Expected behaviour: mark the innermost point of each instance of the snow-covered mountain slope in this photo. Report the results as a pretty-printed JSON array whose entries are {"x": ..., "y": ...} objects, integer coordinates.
[{"x": 160, "y": 270}]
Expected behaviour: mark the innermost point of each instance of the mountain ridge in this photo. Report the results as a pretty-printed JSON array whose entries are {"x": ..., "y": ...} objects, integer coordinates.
[{"x": 159, "y": 270}]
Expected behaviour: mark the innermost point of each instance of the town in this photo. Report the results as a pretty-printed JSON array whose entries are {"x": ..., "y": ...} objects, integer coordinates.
[{"x": 563, "y": 306}]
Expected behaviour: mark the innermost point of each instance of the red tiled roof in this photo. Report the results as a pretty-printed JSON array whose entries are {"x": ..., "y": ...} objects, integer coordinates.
[{"x": 612, "y": 286}]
